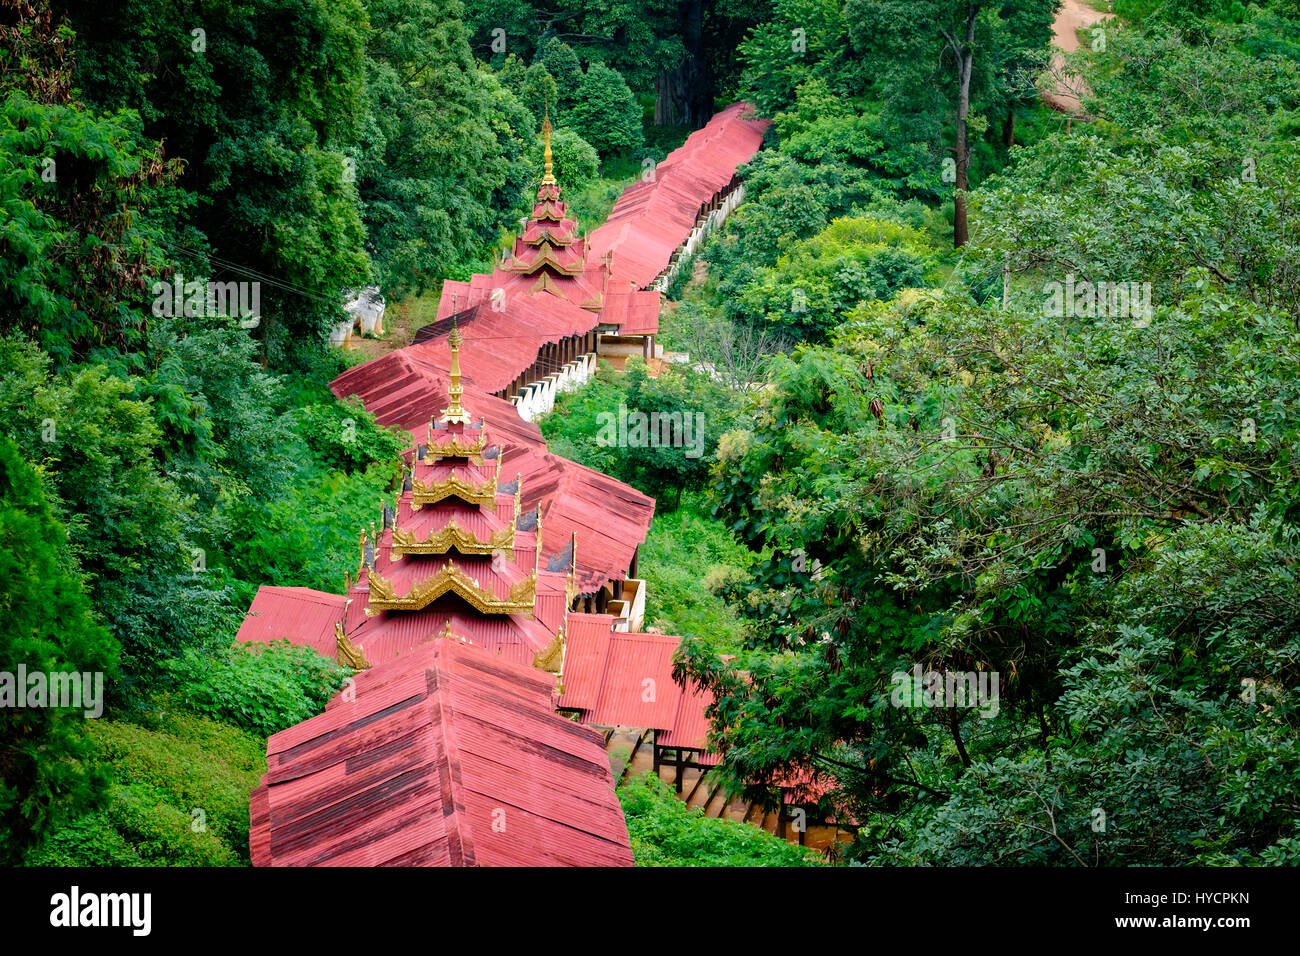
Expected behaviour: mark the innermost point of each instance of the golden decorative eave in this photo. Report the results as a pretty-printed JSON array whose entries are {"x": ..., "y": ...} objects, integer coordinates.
[
  {"x": 430, "y": 493},
  {"x": 545, "y": 284},
  {"x": 452, "y": 580},
  {"x": 549, "y": 237},
  {"x": 448, "y": 537},
  {"x": 455, "y": 448},
  {"x": 347, "y": 653},
  {"x": 545, "y": 258},
  {"x": 549, "y": 211},
  {"x": 551, "y": 657}
]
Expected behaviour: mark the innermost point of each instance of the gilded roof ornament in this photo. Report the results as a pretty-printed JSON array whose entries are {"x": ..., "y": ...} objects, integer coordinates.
[
  {"x": 451, "y": 536},
  {"x": 548, "y": 178},
  {"x": 347, "y": 653},
  {"x": 430, "y": 493},
  {"x": 454, "y": 413},
  {"x": 452, "y": 580},
  {"x": 551, "y": 657}
]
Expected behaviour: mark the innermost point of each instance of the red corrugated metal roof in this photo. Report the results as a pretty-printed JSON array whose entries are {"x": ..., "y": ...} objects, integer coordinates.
[
  {"x": 586, "y": 647},
  {"x": 619, "y": 679},
  {"x": 300, "y": 615},
  {"x": 447, "y": 757},
  {"x": 690, "y": 729},
  {"x": 499, "y": 345},
  {"x": 652, "y": 219}
]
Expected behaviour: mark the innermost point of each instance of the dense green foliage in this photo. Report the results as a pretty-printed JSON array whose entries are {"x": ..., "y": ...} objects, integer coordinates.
[
  {"x": 666, "y": 832},
  {"x": 606, "y": 111},
  {"x": 1093, "y": 501},
  {"x": 598, "y": 427},
  {"x": 881, "y": 457},
  {"x": 689, "y": 562},
  {"x": 261, "y": 688},
  {"x": 50, "y": 628},
  {"x": 180, "y": 794}
]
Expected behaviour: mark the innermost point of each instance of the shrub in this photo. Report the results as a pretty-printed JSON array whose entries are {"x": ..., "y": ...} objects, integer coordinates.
[
  {"x": 666, "y": 832},
  {"x": 343, "y": 436},
  {"x": 261, "y": 688},
  {"x": 166, "y": 768}
]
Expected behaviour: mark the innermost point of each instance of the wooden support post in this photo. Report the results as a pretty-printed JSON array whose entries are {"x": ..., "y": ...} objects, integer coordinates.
[
  {"x": 681, "y": 769},
  {"x": 632, "y": 756},
  {"x": 698, "y": 781},
  {"x": 707, "y": 803}
]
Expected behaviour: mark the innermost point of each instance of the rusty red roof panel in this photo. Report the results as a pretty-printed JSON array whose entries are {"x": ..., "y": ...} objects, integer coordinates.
[
  {"x": 299, "y": 615},
  {"x": 447, "y": 757},
  {"x": 638, "y": 688},
  {"x": 586, "y": 648},
  {"x": 690, "y": 728},
  {"x": 652, "y": 219},
  {"x": 614, "y": 678}
]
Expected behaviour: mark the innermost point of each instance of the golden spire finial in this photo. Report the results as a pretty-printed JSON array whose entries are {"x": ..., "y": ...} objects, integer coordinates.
[
  {"x": 548, "y": 179},
  {"x": 454, "y": 412}
]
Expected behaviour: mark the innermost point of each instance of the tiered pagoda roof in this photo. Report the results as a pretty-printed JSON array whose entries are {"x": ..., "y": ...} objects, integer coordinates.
[
  {"x": 456, "y": 558},
  {"x": 609, "y": 518},
  {"x": 549, "y": 259}
]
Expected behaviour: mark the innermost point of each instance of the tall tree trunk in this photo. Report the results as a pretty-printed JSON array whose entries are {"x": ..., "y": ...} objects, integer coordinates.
[
  {"x": 684, "y": 94},
  {"x": 1009, "y": 128},
  {"x": 965, "y": 62}
]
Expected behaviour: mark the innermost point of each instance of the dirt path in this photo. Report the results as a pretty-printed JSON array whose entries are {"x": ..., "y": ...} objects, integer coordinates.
[{"x": 1068, "y": 91}]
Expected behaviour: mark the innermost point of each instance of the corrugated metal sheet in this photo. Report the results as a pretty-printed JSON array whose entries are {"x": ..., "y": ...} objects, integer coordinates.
[
  {"x": 638, "y": 689},
  {"x": 690, "y": 728},
  {"x": 586, "y": 647},
  {"x": 652, "y": 219},
  {"x": 619, "y": 679},
  {"x": 448, "y": 757},
  {"x": 499, "y": 345},
  {"x": 299, "y": 615}
]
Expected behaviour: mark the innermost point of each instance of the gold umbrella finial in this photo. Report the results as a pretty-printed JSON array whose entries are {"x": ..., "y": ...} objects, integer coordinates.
[
  {"x": 548, "y": 179},
  {"x": 454, "y": 412}
]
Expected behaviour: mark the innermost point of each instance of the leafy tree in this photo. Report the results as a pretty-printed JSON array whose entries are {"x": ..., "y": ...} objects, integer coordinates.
[
  {"x": 260, "y": 104},
  {"x": 45, "y": 776},
  {"x": 262, "y": 688},
  {"x": 84, "y": 198},
  {"x": 920, "y": 43},
  {"x": 539, "y": 92},
  {"x": 439, "y": 149},
  {"x": 562, "y": 64},
  {"x": 804, "y": 40},
  {"x": 606, "y": 112},
  {"x": 819, "y": 280},
  {"x": 128, "y": 523},
  {"x": 575, "y": 161}
]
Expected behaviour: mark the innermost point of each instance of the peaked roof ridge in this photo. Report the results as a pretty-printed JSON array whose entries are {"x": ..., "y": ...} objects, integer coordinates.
[{"x": 461, "y": 831}]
